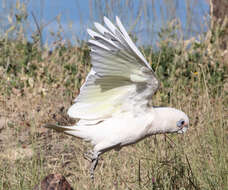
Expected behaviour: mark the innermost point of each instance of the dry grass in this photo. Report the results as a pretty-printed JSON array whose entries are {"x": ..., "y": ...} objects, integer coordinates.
[
  {"x": 38, "y": 87},
  {"x": 196, "y": 160}
]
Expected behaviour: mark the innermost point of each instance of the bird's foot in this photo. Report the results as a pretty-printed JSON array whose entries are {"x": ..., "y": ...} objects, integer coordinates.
[{"x": 89, "y": 155}]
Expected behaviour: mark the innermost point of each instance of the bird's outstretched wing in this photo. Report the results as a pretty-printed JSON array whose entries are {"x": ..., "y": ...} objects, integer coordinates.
[{"x": 120, "y": 79}]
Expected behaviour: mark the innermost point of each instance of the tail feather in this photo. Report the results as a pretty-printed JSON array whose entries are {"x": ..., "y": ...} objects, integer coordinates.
[
  {"x": 77, "y": 131},
  {"x": 60, "y": 128}
]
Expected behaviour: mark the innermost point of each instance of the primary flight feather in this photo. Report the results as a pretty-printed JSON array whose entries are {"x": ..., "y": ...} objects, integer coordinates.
[{"x": 113, "y": 104}]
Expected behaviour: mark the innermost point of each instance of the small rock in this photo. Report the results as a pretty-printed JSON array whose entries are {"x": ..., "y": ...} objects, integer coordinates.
[{"x": 53, "y": 182}]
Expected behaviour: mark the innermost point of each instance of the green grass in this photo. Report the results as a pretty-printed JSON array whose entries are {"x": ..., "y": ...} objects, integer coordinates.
[{"x": 38, "y": 86}]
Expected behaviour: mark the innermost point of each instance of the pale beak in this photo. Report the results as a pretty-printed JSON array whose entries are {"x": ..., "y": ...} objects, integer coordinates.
[{"x": 183, "y": 129}]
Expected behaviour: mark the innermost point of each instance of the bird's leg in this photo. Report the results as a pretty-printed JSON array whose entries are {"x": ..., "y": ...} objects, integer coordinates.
[
  {"x": 93, "y": 167},
  {"x": 93, "y": 158},
  {"x": 99, "y": 149}
]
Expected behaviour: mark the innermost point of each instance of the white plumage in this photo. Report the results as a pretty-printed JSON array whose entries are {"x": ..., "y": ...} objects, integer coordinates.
[{"x": 113, "y": 104}]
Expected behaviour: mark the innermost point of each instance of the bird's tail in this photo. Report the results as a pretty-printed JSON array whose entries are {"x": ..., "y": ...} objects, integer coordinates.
[
  {"x": 59, "y": 128},
  {"x": 77, "y": 131}
]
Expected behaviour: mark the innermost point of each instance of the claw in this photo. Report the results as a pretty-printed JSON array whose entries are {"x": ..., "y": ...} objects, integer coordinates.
[{"x": 89, "y": 155}]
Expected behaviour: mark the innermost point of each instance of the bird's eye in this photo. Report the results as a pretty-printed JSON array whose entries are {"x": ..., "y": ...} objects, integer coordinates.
[{"x": 180, "y": 123}]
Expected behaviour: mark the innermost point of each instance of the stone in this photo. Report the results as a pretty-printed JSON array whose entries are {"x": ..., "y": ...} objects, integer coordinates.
[{"x": 53, "y": 182}]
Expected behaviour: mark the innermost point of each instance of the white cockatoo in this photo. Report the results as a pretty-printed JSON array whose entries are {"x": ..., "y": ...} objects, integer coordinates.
[{"x": 113, "y": 104}]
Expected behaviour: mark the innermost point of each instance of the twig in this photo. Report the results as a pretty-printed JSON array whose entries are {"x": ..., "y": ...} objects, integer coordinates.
[
  {"x": 39, "y": 29},
  {"x": 191, "y": 172},
  {"x": 139, "y": 174}
]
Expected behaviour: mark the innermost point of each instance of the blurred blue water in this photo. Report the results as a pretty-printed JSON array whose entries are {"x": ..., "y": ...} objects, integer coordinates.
[{"x": 77, "y": 16}]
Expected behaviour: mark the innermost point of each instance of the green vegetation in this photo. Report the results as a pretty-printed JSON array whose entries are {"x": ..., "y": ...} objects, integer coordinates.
[{"x": 37, "y": 86}]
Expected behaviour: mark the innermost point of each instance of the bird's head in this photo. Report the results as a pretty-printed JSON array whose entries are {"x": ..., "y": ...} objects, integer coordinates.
[
  {"x": 182, "y": 123},
  {"x": 171, "y": 120}
]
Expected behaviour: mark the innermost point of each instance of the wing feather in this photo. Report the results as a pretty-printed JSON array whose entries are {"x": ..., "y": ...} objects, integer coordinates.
[
  {"x": 120, "y": 79},
  {"x": 130, "y": 43}
]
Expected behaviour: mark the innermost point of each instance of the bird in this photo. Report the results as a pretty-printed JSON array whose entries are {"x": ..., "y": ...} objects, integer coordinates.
[{"x": 113, "y": 106}]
